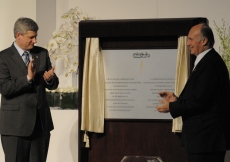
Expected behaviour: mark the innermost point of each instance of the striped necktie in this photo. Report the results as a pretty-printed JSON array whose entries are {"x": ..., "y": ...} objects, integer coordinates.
[{"x": 25, "y": 57}]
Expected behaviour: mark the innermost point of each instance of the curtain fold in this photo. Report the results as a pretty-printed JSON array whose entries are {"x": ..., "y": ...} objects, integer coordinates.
[
  {"x": 93, "y": 97},
  {"x": 182, "y": 71}
]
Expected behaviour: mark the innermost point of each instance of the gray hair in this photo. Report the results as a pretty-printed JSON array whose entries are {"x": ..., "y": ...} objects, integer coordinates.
[
  {"x": 23, "y": 24},
  {"x": 206, "y": 31}
]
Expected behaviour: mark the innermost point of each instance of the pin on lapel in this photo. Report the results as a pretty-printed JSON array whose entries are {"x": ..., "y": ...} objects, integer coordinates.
[{"x": 36, "y": 56}]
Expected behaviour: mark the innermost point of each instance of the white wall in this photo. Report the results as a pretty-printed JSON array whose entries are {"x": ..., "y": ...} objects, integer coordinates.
[
  {"x": 119, "y": 9},
  {"x": 63, "y": 145},
  {"x": 10, "y": 11},
  {"x": 214, "y": 10}
]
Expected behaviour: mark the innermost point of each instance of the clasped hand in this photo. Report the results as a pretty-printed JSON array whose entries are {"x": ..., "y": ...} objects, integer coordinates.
[
  {"x": 48, "y": 75},
  {"x": 168, "y": 97}
]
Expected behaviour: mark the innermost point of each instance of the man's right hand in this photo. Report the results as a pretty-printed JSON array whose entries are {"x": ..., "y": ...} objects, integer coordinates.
[
  {"x": 31, "y": 70},
  {"x": 168, "y": 96}
]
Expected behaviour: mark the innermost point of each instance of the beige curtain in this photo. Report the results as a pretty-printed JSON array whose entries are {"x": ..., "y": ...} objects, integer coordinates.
[
  {"x": 182, "y": 68},
  {"x": 93, "y": 88}
]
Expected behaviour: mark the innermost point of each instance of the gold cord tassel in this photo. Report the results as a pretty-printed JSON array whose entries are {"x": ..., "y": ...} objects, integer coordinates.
[
  {"x": 87, "y": 142},
  {"x": 86, "y": 139}
]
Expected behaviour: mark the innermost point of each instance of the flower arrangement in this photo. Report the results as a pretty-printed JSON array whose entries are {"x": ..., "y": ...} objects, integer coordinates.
[
  {"x": 64, "y": 90},
  {"x": 62, "y": 98},
  {"x": 64, "y": 43},
  {"x": 224, "y": 35}
]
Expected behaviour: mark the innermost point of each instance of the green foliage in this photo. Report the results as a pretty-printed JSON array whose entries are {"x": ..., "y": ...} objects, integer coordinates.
[{"x": 224, "y": 35}]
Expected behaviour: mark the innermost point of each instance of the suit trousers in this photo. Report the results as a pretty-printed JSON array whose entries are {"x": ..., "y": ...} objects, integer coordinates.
[
  {"x": 33, "y": 148},
  {"x": 207, "y": 157}
]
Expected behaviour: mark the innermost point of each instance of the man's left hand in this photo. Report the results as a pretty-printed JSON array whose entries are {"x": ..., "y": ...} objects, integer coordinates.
[
  {"x": 164, "y": 108},
  {"x": 48, "y": 75}
]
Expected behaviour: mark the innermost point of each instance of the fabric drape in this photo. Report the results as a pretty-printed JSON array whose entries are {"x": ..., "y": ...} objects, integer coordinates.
[
  {"x": 93, "y": 88},
  {"x": 182, "y": 67}
]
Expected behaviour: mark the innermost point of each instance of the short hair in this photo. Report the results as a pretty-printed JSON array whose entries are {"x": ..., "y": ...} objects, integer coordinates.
[
  {"x": 206, "y": 31},
  {"x": 23, "y": 24}
]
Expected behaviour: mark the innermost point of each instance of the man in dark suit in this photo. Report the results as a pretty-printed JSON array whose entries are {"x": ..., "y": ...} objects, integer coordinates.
[
  {"x": 25, "y": 118},
  {"x": 204, "y": 102}
]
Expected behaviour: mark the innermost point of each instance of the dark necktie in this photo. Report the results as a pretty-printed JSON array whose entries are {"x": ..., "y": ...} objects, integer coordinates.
[{"x": 25, "y": 57}]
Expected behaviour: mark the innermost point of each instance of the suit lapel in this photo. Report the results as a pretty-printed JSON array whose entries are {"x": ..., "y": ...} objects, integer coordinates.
[
  {"x": 36, "y": 58},
  {"x": 191, "y": 75},
  {"x": 17, "y": 59},
  {"x": 199, "y": 66}
]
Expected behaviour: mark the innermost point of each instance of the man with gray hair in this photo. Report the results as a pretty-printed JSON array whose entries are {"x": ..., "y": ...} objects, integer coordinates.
[
  {"x": 204, "y": 103},
  {"x": 25, "y": 118}
]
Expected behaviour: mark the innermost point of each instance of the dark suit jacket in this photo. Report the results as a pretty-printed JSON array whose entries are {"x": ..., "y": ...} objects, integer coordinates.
[
  {"x": 20, "y": 100},
  {"x": 204, "y": 106}
]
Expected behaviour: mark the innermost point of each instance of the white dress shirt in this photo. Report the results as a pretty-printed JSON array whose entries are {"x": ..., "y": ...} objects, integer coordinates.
[{"x": 200, "y": 56}]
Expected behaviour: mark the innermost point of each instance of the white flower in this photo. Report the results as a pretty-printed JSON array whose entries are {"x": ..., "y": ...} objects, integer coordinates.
[
  {"x": 53, "y": 91},
  {"x": 64, "y": 44},
  {"x": 63, "y": 90},
  {"x": 75, "y": 34},
  {"x": 68, "y": 44},
  {"x": 84, "y": 17},
  {"x": 52, "y": 45},
  {"x": 60, "y": 40},
  {"x": 66, "y": 27},
  {"x": 74, "y": 13}
]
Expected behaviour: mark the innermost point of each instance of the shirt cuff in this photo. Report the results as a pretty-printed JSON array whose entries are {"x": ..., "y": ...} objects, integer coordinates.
[{"x": 49, "y": 82}]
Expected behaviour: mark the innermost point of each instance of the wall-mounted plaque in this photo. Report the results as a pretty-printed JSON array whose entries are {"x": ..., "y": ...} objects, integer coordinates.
[{"x": 133, "y": 79}]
